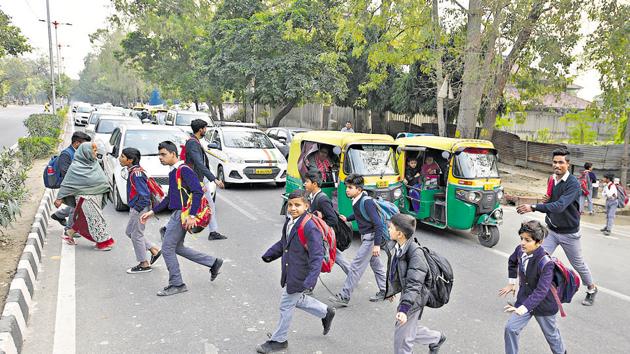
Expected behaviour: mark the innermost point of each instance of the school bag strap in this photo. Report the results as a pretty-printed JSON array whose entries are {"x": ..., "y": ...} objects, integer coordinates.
[
  {"x": 178, "y": 178},
  {"x": 300, "y": 230},
  {"x": 554, "y": 291}
]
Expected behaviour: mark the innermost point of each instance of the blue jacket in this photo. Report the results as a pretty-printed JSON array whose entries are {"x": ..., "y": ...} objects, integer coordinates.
[
  {"x": 374, "y": 224},
  {"x": 142, "y": 197},
  {"x": 563, "y": 208},
  {"x": 64, "y": 160},
  {"x": 190, "y": 185},
  {"x": 197, "y": 159},
  {"x": 324, "y": 205},
  {"x": 300, "y": 268},
  {"x": 535, "y": 284}
]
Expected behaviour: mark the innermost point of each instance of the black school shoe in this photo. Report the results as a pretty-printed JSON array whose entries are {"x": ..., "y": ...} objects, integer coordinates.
[
  {"x": 379, "y": 296},
  {"x": 271, "y": 346},
  {"x": 590, "y": 298},
  {"x": 216, "y": 236},
  {"x": 62, "y": 221},
  {"x": 172, "y": 290},
  {"x": 339, "y": 301},
  {"x": 327, "y": 321},
  {"x": 214, "y": 270},
  {"x": 139, "y": 269},
  {"x": 435, "y": 348},
  {"x": 155, "y": 258},
  {"x": 162, "y": 232}
]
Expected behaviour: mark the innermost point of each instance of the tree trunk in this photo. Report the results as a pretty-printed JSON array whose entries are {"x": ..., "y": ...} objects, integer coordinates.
[
  {"x": 197, "y": 105},
  {"x": 439, "y": 76},
  {"x": 471, "y": 88},
  {"x": 282, "y": 113},
  {"x": 625, "y": 160},
  {"x": 496, "y": 90},
  {"x": 220, "y": 108}
]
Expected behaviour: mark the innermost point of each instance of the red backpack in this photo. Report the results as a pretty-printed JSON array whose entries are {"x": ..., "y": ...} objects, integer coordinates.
[
  {"x": 584, "y": 182},
  {"x": 182, "y": 151},
  {"x": 204, "y": 213},
  {"x": 328, "y": 240},
  {"x": 156, "y": 194}
]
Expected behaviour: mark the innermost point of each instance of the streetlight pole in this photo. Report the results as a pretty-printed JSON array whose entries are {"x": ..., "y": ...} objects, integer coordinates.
[{"x": 50, "y": 50}]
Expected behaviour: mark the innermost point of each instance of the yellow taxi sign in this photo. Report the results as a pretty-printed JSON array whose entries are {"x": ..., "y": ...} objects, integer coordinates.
[
  {"x": 488, "y": 187},
  {"x": 382, "y": 184}
]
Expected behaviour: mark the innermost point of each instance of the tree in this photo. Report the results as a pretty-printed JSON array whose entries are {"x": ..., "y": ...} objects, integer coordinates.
[
  {"x": 12, "y": 42},
  {"x": 23, "y": 80},
  {"x": 608, "y": 51},
  {"x": 581, "y": 125}
]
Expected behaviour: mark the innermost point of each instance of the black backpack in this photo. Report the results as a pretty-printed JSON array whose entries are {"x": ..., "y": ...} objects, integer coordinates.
[
  {"x": 343, "y": 233},
  {"x": 439, "y": 279}
]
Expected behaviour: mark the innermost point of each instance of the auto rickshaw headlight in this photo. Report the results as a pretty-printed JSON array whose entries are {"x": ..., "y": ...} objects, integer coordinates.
[
  {"x": 500, "y": 194},
  {"x": 498, "y": 214},
  {"x": 397, "y": 193},
  {"x": 468, "y": 196}
]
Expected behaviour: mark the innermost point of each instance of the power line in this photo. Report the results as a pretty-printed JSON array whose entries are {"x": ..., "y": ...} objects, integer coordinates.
[{"x": 31, "y": 9}]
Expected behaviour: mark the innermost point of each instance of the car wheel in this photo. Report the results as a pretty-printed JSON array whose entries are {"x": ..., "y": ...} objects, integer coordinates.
[
  {"x": 489, "y": 237},
  {"x": 280, "y": 184},
  {"x": 221, "y": 177},
  {"x": 118, "y": 204}
]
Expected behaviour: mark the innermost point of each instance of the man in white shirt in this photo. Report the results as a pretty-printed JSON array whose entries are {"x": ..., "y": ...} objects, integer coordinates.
[
  {"x": 347, "y": 128},
  {"x": 610, "y": 196}
]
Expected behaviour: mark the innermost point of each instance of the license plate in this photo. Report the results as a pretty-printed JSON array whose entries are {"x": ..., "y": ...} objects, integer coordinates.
[
  {"x": 263, "y": 171},
  {"x": 488, "y": 187},
  {"x": 382, "y": 184}
]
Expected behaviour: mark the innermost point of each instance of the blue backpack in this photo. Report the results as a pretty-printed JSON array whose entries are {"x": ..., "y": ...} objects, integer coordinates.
[
  {"x": 385, "y": 209},
  {"x": 52, "y": 172}
]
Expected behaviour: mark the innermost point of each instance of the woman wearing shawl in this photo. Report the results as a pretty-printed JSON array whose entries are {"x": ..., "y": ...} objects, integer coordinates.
[
  {"x": 321, "y": 161},
  {"x": 85, "y": 186}
]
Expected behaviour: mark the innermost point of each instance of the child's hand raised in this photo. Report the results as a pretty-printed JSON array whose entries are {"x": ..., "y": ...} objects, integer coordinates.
[{"x": 510, "y": 288}]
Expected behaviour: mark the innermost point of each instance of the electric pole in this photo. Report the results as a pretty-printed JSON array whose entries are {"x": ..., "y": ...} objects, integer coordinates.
[{"x": 52, "y": 65}]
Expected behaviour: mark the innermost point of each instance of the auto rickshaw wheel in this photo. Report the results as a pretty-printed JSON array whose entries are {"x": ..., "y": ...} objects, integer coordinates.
[{"x": 488, "y": 235}]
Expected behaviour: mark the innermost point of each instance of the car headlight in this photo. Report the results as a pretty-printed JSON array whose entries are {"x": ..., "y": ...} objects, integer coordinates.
[
  {"x": 468, "y": 196},
  {"x": 397, "y": 193},
  {"x": 235, "y": 159}
]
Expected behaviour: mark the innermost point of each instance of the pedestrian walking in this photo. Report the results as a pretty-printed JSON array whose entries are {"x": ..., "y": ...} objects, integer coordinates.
[
  {"x": 594, "y": 182},
  {"x": 373, "y": 232},
  {"x": 300, "y": 268},
  {"x": 197, "y": 159},
  {"x": 586, "y": 189},
  {"x": 563, "y": 220},
  {"x": 176, "y": 228},
  {"x": 610, "y": 194},
  {"x": 139, "y": 201},
  {"x": 535, "y": 298},
  {"x": 406, "y": 275},
  {"x": 85, "y": 187},
  {"x": 588, "y": 167},
  {"x": 347, "y": 128},
  {"x": 322, "y": 205},
  {"x": 64, "y": 215}
]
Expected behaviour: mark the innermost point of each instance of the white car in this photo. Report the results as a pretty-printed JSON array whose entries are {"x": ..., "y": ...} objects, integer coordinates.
[
  {"x": 182, "y": 119},
  {"x": 82, "y": 114},
  {"x": 95, "y": 116},
  {"x": 244, "y": 155},
  {"x": 104, "y": 128},
  {"x": 146, "y": 139}
]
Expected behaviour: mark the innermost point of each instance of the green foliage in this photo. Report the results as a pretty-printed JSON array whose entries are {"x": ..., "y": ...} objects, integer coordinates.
[
  {"x": 543, "y": 135},
  {"x": 44, "y": 125},
  {"x": 504, "y": 122},
  {"x": 12, "y": 188},
  {"x": 581, "y": 125},
  {"x": 23, "y": 80},
  {"x": 12, "y": 42},
  {"x": 32, "y": 148}
]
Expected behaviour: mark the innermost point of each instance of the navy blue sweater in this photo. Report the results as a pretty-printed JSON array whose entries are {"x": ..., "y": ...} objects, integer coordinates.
[
  {"x": 324, "y": 205},
  {"x": 371, "y": 225},
  {"x": 190, "y": 184},
  {"x": 534, "y": 284},
  {"x": 141, "y": 197},
  {"x": 563, "y": 208}
]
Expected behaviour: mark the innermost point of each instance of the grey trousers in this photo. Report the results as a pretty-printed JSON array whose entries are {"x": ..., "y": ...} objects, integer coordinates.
[
  {"x": 611, "y": 208},
  {"x": 288, "y": 303},
  {"x": 213, "y": 226},
  {"x": 572, "y": 247},
  {"x": 66, "y": 212},
  {"x": 407, "y": 335},
  {"x": 549, "y": 328},
  {"x": 342, "y": 262},
  {"x": 359, "y": 265},
  {"x": 173, "y": 245},
  {"x": 135, "y": 231}
]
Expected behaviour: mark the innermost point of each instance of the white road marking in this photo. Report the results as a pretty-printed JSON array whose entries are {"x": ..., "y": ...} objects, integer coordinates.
[
  {"x": 610, "y": 292},
  {"x": 233, "y": 205},
  {"x": 65, "y": 323}
]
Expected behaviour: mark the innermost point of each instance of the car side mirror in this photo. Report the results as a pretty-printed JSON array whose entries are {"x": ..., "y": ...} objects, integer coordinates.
[
  {"x": 114, "y": 151},
  {"x": 124, "y": 174},
  {"x": 214, "y": 145},
  {"x": 282, "y": 139}
]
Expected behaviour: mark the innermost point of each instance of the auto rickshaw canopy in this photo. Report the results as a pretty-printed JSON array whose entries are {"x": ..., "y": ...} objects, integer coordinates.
[{"x": 446, "y": 144}]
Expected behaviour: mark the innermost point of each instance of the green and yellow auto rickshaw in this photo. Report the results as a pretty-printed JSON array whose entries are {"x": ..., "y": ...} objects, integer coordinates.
[
  {"x": 371, "y": 155},
  {"x": 457, "y": 184}
]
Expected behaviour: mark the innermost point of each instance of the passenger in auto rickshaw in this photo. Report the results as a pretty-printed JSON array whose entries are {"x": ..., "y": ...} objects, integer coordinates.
[
  {"x": 413, "y": 181},
  {"x": 320, "y": 160},
  {"x": 430, "y": 167}
]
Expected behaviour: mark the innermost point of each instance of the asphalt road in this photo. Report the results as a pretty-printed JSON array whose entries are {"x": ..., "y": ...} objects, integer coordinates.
[
  {"x": 11, "y": 122},
  {"x": 115, "y": 312}
]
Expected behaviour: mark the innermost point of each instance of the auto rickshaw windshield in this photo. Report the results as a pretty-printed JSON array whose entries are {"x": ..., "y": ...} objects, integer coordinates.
[
  {"x": 476, "y": 163},
  {"x": 371, "y": 160}
]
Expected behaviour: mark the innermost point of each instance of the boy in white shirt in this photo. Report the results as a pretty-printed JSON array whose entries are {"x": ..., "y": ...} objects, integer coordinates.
[{"x": 610, "y": 196}]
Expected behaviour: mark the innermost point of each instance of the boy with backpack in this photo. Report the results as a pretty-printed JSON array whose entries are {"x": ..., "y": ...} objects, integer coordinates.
[
  {"x": 139, "y": 201},
  {"x": 182, "y": 185},
  {"x": 586, "y": 190},
  {"x": 407, "y": 274},
  {"x": 373, "y": 232},
  {"x": 536, "y": 294},
  {"x": 321, "y": 204},
  {"x": 301, "y": 265},
  {"x": 610, "y": 194}
]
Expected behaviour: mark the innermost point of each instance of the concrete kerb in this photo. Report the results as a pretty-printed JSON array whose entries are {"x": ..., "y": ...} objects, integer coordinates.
[{"x": 16, "y": 311}]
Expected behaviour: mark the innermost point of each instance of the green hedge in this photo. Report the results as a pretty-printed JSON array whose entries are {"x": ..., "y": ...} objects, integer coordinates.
[
  {"x": 44, "y": 125},
  {"x": 33, "y": 148}
]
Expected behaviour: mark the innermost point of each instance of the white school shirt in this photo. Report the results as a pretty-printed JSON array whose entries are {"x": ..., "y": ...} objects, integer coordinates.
[
  {"x": 564, "y": 178},
  {"x": 610, "y": 191}
]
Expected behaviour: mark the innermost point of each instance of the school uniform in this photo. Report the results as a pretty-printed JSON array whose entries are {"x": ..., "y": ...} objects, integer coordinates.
[
  {"x": 139, "y": 200},
  {"x": 406, "y": 275},
  {"x": 534, "y": 294},
  {"x": 65, "y": 160},
  {"x": 197, "y": 159},
  {"x": 300, "y": 269},
  {"x": 610, "y": 195},
  {"x": 373, "y": 232},
  {"x": 320, "y": 202},
  {"x": 173, "y": 243}
]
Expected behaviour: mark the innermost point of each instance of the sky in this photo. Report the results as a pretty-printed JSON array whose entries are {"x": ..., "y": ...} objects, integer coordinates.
[{"x": 87, "y": 16}]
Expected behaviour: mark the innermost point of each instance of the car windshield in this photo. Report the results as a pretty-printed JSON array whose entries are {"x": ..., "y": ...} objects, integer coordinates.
[
  {"x": 371, "y": 160},
  {"x": 108, "y": 126},
  {"x": 247, "y": 140},
  {"x": 147, "y": 140},
  {"x": 84, "y": 109},
  {"x": 476, "y": 163},
  {"x": 184, "y": 119}
]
